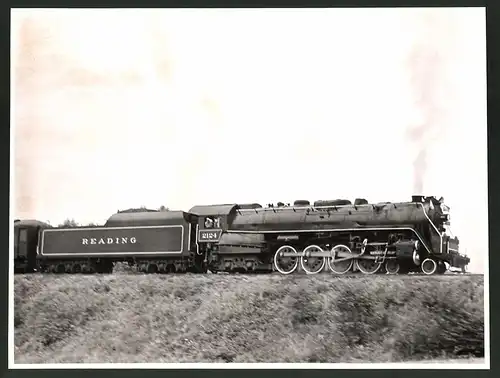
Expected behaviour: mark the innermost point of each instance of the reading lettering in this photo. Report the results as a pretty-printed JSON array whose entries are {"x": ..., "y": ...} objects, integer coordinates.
[{"x": 123, "y": 240}]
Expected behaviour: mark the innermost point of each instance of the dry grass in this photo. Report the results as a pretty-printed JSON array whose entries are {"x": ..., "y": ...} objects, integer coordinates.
[{"x": 221, "y": 318}]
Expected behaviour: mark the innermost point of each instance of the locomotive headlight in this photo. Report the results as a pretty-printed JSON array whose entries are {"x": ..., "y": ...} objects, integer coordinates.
[{"x": 444, "y": 209}]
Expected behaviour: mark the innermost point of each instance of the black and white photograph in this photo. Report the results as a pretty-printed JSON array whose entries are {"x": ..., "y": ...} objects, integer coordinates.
[{"x": 299, "y": 188}]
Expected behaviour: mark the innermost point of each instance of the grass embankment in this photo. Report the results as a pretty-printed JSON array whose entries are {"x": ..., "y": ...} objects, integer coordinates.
[{"x": 220, "y": 318}]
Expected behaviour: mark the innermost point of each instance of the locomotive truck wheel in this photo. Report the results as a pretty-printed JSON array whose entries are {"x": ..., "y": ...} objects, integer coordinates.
[
  {"x": 341, "y": 267},
  {"x": 441, "y": 269},
  {"x": 368, "y": 266},
  {"x": 286, "y": 264},
  {"x": 429, "y": 266},
  {"x": 311, "y": 264},
  {"x": 152, "y": 268},
  {"x": 392, "y": 267}
]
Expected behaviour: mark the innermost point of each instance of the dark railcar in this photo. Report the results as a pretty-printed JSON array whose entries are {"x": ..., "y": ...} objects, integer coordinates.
[{"x": 26, "y": 237}]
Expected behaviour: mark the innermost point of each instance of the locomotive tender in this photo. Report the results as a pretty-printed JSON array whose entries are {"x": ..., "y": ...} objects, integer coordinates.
[{"x": 386, "y": 237}]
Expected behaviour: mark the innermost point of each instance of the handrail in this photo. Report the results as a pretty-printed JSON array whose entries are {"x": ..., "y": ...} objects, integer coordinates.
[{"x": 434, "y": 226}]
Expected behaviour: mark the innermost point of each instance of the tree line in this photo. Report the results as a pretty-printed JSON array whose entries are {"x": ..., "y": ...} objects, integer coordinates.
[{"x": 70, "y": 222}]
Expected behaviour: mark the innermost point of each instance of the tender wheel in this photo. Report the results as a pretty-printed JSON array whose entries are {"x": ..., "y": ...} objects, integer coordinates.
[
  {"x": 429, "y": 266},
  {"x": 76, "y": 268},
  {"x": 368, "y": 266},
  {"x": 392, "y": 267},
  {"x": 286, "y": 264},
  {"x": 152, "y": 268},
  {"x": 60, "y": 269},
  {"x": 170, "y": 268},
  {"x": 339, "y": 252},
  {"x": 312, "y": 264}
]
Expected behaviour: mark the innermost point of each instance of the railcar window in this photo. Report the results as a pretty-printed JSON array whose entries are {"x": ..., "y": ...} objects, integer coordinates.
[
  {"x": 16, "y": 238},
  {"x": 23, "y": 235}
]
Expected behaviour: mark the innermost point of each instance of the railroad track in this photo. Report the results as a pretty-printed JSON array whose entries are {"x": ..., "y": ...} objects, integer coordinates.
[
  {"x": 298, "y": 273},
  {"x": 361, "y": 275}
]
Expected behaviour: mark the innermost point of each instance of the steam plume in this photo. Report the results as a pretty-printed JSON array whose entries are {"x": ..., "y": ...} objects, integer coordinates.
[{"x": 428, "y": 63}]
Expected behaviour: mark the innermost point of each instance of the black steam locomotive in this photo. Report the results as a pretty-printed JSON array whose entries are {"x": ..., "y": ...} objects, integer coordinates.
[{"x": 370, "y": 238}]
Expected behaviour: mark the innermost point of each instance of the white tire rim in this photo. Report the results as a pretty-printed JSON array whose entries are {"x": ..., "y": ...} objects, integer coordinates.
[
  {"x": 332, "y": 254},
  {"x": 276, "y": 256},
  {"x": 364, "y": 271},
  {"x": 304, "y": 257},
  {"x": 394, "y": 271},
  {"x": 434, "y": 267}
]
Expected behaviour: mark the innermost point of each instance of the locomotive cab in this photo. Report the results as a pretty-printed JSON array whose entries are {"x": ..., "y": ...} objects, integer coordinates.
[{"x": 213, "y": 220}]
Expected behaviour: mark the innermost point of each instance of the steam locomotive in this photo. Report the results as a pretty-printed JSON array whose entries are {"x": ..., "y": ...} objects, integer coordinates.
[{"x": 338, "y": 235}]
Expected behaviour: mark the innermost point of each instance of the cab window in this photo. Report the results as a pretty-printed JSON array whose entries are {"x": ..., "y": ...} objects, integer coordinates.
[
  {"x": 209, "y": 222},
  {"x": 212, "y": 222}
]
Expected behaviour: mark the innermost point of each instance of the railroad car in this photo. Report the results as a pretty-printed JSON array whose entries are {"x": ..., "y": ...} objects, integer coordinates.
[
  {"x": 26, "y": 237},
  {"x": 336, "y": 235}
]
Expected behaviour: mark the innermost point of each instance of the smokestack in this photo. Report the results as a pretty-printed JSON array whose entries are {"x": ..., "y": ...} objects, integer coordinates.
[{"x": 417, "y": 198}]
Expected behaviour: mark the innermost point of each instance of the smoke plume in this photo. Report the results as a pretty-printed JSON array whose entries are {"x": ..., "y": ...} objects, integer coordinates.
[{"x": 428, "y": 62}]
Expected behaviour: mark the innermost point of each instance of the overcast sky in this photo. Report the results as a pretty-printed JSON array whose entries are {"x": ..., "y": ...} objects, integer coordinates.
[{"x": 122, "y": 108}]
